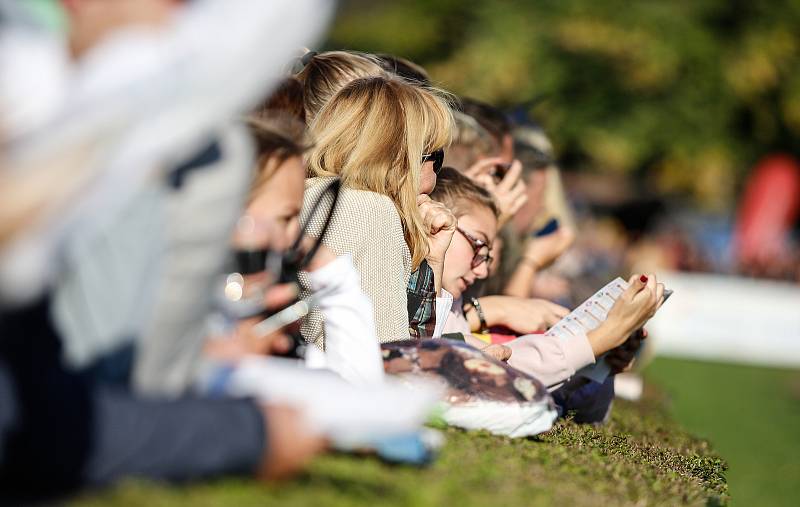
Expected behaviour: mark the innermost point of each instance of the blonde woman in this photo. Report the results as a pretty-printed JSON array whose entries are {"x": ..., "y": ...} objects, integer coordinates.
[{"x": 384, "y": 138}]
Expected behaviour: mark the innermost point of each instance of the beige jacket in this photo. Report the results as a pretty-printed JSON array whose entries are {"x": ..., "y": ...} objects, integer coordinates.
[{"x": 367, "y": 226}]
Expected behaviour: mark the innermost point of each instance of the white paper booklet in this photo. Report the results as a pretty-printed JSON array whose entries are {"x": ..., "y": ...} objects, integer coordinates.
[{"x": 589, "y": 315}]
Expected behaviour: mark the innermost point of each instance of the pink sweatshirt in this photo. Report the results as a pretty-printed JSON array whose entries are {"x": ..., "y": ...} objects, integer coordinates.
[{"x": 551, "y": 360}]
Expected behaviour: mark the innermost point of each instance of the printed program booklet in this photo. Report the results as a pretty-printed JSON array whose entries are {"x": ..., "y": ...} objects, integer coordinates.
[{"x": 589, "y": 315}]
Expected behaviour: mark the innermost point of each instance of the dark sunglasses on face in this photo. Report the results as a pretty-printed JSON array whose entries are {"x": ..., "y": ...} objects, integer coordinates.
[
  {"x": 477, "y": 245},
  {"x": 437, "y": 157}
]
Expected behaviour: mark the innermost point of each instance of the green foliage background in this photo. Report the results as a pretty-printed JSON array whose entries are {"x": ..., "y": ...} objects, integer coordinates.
[{"x": 684, "y": 94}]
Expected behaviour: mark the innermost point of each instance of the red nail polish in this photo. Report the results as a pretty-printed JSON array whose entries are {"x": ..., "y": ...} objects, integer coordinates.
[{"x": 643, "y": 279}]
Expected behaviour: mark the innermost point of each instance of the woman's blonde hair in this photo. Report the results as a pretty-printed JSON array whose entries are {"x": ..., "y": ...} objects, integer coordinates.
[
  {"x": 373, "y": 134},
  {"x": 324, "y": 74}
]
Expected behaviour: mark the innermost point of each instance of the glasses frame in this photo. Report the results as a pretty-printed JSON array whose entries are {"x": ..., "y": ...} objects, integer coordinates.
[
  {"x": 476, "y": 245},
  {"x": 437, "y": 157}
]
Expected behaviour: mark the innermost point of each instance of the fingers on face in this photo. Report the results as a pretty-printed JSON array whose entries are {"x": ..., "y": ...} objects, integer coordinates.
[
  {"x": 487, "y": 182},
  {"x": 512, "y": 177},
  {"x": 519, "y": 202},
  {"x": 517, "y": 192},
  {"x": 519, "y": 188},
  {"x": 442, "y": 219},
  {"x": 483, "y": 167},
  {"x": 432, "y": 211},
  {"x": 436, "y": 216}
]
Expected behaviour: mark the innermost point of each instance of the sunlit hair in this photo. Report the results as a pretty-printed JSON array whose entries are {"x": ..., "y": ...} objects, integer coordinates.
[
  {"x": 277, "y": 138},
  {"x": 324, "y": 74},
  {"x": 373, "y": 134},
  {"x": 404, "y": 68},
  {"x": 471, "y": 142},
  {"x": 460, "y": 194}
]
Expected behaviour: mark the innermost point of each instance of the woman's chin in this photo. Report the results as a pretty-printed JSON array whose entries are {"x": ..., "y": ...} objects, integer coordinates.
[
  {"x": 455, "y": 291},
  {"x": 457, "y": 288}
]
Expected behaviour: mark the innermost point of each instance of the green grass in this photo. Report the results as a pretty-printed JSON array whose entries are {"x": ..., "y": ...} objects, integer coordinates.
[
  {"x": 752, "y": 417},
  {"x": 639, "y": 458}
]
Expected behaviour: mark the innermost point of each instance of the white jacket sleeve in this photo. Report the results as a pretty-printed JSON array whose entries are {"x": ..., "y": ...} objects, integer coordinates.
[{"x": 351, "y": 348}]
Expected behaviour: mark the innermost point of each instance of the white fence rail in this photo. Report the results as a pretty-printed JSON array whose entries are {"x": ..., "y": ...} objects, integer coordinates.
[{"x": 721, "y": 318}]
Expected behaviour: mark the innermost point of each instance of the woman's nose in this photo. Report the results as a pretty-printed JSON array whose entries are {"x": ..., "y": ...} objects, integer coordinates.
[{"x": 481, "y": 270}]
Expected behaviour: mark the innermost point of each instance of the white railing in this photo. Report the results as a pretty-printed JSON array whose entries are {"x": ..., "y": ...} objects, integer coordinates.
[{"x": 723, "y": 318}]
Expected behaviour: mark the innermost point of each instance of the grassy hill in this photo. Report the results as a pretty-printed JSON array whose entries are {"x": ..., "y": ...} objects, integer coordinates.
[{"x": 640, "y": 458}]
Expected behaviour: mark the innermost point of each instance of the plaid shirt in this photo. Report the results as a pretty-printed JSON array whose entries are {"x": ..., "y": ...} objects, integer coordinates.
[{"x": 421, "y": 293}]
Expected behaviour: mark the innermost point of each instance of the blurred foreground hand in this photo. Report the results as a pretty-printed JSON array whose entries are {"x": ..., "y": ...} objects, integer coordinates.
[{"x": 290, "y": 444}]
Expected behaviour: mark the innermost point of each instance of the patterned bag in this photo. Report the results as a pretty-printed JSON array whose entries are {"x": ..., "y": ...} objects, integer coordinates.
[{"x": 480, "y": 392}]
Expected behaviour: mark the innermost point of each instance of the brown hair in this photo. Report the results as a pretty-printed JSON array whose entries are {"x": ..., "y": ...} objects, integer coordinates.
[
  {"x": 404, "y": 68},
  {"x": 287, "y": 99},
  {"x": 277, "y": 139},
  {"x": 460, "y": 193},
  {"x": 489, "y": 117},
  {"x": 471, "y": 143},
  {"x": 373, "y": 134},
  {"x": 324, "y": 74}
]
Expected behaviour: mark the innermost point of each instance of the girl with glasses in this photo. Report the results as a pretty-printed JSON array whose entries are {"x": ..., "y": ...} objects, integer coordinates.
[{"x": 551, "y": 360}]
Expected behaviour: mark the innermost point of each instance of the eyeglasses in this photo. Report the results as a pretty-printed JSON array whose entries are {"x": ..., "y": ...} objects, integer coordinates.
[
  {"x": 437, "y": 157},
  {"x": 478, "y": 245}
]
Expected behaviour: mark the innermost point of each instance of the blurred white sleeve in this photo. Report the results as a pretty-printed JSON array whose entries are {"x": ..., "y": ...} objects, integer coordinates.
[
  {"x": 351, "y": 347},
  {"x": 215, "y": 59},
  {"x": 141, "y": 102}
]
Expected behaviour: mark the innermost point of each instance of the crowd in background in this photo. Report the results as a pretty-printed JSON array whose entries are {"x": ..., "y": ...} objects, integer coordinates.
[{"x": 208, "y": 237}]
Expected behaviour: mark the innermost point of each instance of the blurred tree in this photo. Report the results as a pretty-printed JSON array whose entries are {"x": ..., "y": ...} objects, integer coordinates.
[{"x": 686, "y": 94}]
